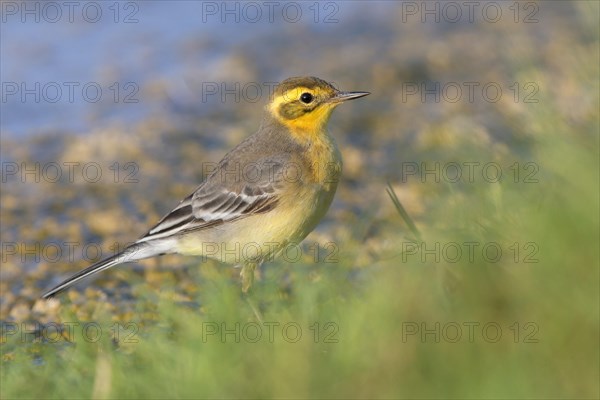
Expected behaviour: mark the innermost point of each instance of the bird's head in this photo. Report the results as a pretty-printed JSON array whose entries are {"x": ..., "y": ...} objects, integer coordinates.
[{"x": 304, "y": 104}]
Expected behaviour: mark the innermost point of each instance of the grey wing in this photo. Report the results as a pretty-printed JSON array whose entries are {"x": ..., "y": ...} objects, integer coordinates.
[{"x": 223, "y": 197}]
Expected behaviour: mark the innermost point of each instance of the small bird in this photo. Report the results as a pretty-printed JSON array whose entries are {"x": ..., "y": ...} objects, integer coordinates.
[{"x": 267, "y": 193}]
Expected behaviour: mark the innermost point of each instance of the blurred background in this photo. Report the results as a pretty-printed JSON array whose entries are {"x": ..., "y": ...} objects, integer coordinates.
[{"x": 482, "y": 129}]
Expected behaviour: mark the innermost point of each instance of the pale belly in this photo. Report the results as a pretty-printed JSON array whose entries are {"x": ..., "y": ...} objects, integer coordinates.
[{"x": 261, "y": 237}]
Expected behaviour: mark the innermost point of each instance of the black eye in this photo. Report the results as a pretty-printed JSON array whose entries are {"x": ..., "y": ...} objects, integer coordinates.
[{"x": 306, "y": 98}]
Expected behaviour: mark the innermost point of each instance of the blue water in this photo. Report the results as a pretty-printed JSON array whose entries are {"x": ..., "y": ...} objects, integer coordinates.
[{"x": 54, "y": 57}]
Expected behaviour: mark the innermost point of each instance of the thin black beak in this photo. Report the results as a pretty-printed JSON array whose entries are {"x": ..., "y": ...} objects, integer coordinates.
[{"x": 343, "y": 96}]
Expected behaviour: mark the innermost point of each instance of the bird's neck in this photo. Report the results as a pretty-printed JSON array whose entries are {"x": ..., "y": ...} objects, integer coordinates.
[{"x": 318, "y": 148}]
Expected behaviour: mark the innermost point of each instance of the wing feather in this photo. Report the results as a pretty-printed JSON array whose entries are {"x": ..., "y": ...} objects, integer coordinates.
[{"x": 215, "y": 202}]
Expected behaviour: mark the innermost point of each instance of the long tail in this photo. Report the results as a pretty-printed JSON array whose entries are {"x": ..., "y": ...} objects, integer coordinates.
[{"x": 136, "y": 251}]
